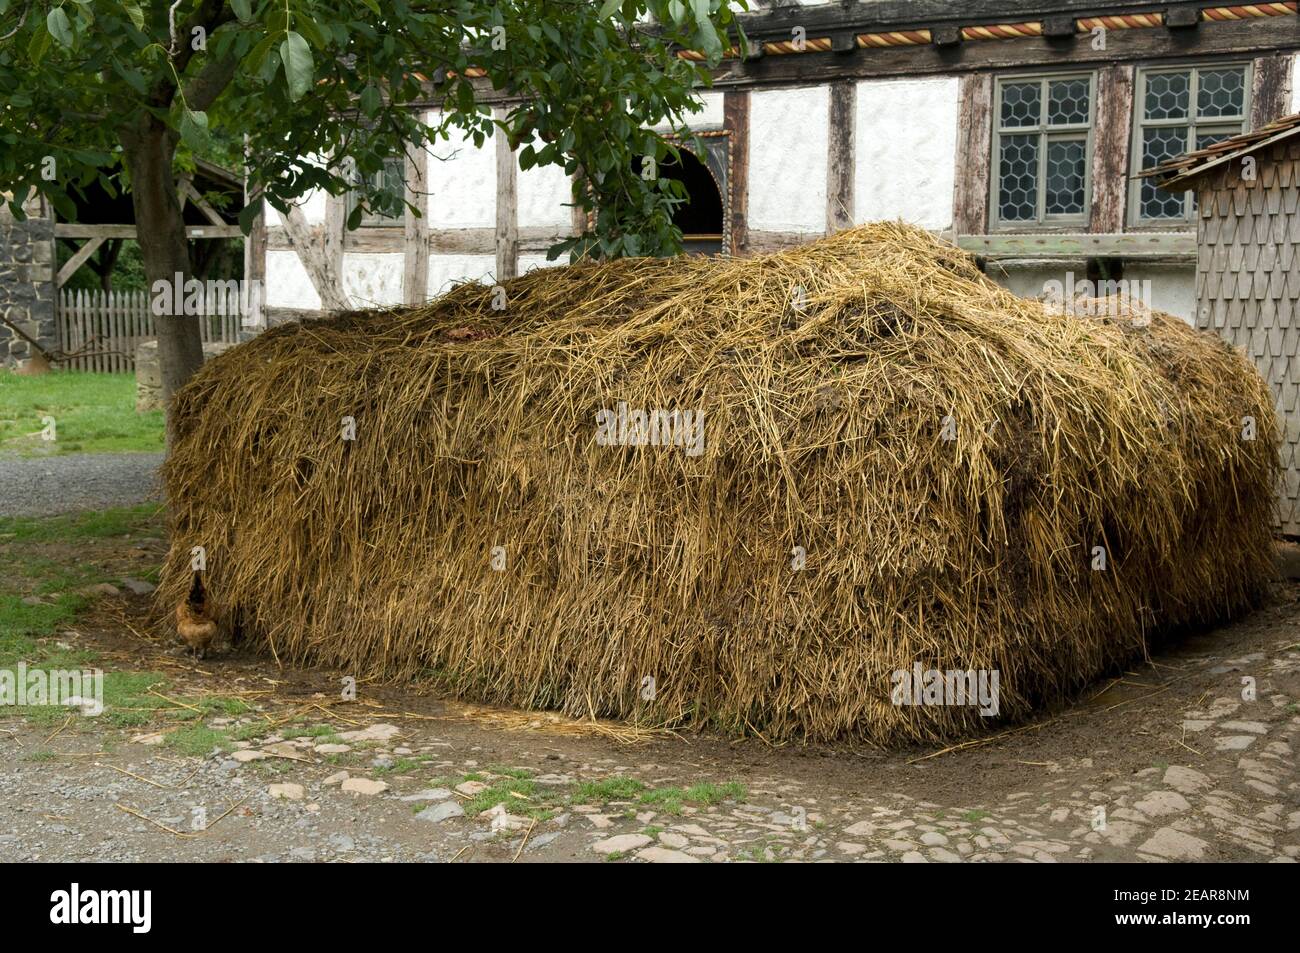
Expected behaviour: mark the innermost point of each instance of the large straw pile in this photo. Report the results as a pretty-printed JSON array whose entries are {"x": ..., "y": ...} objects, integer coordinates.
[{"x": 824, "y": 375}]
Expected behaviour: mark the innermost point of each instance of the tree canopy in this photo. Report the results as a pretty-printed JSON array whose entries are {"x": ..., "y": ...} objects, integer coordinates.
[{"x": 320, "y": 92}]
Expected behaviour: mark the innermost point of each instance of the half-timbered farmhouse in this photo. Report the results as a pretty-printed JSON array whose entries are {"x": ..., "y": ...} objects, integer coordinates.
[{"x": 1016, "y": 128}]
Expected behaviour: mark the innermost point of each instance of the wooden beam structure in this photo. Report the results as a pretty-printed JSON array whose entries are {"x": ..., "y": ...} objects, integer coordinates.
[
  {"x": 841, "y": 167},
  {"x": 415, "y": 230},
  {"x": 507, "y": 228},
  {"x": 1149, "y": 246},
  {"x": 970, "y": 204},
  {"x": 79, "y": 230},
  {"x": 1270, "y": 95},
  {"x": 78, "y": 259},
  {"x": 735, "y": 120},
  {"x": 1112, "y": 127}
]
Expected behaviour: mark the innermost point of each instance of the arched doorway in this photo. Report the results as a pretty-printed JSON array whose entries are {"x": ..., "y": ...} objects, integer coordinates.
[{"x": 701, "y": 218}]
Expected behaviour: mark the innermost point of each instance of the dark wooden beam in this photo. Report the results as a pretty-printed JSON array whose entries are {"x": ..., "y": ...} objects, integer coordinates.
[
  {"x": 78, "y": 230},
  {"x": 974, "y": 143},
  {"x": 1270, "y": 95},
  {"x": 1111, "y": 134},
  {"x": 735, "y": 120},
  {"x": 1182, "y": 18},
  {"x": 945, "y": 36},
  {"x": 840, "y": 164},
  {"x": 1057, "y": 27},
  {"x": 1235, "y": 38},
  {"x": 880, "y": 15}
]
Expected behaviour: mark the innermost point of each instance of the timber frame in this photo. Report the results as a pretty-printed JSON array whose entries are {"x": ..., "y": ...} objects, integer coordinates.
[{"x": 974, "y": 41}]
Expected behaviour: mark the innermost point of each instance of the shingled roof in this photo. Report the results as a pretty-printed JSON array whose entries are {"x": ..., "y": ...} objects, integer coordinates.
[{"x": 1175, "y": 174}]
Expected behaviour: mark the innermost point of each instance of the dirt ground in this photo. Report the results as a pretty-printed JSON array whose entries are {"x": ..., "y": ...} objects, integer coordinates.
[{"x": 236, "y": 759}]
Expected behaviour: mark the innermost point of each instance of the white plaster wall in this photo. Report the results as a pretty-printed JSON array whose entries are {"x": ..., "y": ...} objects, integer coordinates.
[
  {"x": 1173, "y": 287},
  {"x": 287, "y": 284},
  {"x": 1172, "y": 290},
  {"x": 530, "y": 262},
  {"x": 312, "y": 205},
  {"x": 462, "y": 183},
  {"x": 542, "y": 192},
  {"x": 787, "y": 159},
  {"x": 448, "y": 270},
  {"x": 709, "y": 117},
  {"x": 905, "y": 134},
  {"x": 373, "y": 280},
  {"x": 1029, "y": 281},
  {"x": 1295, "y": 84}
]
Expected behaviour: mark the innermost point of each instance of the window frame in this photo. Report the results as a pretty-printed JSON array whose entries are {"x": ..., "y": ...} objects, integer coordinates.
[
  {"x": 371, "y": 219},
  {"x": 1045, "y": 133},
  {"x": 1134, "y": 217}
]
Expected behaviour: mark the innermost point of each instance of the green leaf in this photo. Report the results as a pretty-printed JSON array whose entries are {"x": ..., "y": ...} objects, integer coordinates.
[
  {"x": 57, "y": 23},
  {"x": 373, "y": 5},
  {"x": 712, "y": 46},
  {"x": 194, "y": 129},
  {"x": 258, "y": 54},
  {"x": 607, "y": 9},
  {"x": 371, "y": 101},
  {"x": 310, "y": 30},
  {"x": 296, "y": 56},
  {"x": 243, "y": 10},
  {"x": 134, "y": 12},
  {"x": 39, "y": 45}
]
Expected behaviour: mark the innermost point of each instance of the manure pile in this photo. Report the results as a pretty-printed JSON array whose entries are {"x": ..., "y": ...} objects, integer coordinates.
[{"x": 860, "y": 457}]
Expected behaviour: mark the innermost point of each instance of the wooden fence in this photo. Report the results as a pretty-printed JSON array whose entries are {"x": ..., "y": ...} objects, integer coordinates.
[{"x": 99, "y": 331}]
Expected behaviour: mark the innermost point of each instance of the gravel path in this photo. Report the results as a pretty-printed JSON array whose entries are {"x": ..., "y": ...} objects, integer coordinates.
[{"x": 42, "y": 486}]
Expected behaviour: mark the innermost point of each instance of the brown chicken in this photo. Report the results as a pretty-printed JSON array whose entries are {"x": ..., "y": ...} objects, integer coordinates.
[{"x": 193, "y": 623}]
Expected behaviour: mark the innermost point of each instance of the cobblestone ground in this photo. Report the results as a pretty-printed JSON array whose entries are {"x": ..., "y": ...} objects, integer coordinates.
[{"x": 1180, "y": 766}]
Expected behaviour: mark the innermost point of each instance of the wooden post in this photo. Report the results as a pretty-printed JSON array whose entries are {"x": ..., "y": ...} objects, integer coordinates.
[
  {"x": 840, "y": 164},
  {"x": 1270, "y": 89},
  {"x": 735, "y": 118},
  {"x": 415, "y": 234},
  {"x": 507, "y": 234},
  {"x": 1112, "y": 128},
  {"x": 970, "y": 207}
]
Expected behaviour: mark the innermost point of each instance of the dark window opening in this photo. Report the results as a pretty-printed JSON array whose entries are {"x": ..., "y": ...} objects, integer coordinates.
[{"x": 700, "y": 218}]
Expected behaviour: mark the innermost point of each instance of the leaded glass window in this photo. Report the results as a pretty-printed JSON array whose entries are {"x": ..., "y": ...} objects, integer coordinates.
[
  {"x": 1042, "y": 149},
  {"x": 1179, "y": 110}
]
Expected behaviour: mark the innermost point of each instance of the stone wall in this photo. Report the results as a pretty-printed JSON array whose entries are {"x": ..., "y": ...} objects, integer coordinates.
[
  {"x": 148, "y": 374},
  {"x": 26, "y": 284}
]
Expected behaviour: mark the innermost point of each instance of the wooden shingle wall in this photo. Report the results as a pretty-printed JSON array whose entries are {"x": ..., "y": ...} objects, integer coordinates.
[{"x": 1248, "y": 284}]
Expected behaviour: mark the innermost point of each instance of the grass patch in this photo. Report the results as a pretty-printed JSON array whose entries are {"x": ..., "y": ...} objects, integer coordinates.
[
  {"x": 609, "y": 789},
  {"x": 197, "y": 740},
  {"x": 98, "y": 524},
  {"x": 403, "y": 766},
  {"x": 668, "y": 800},
  {"x": 520, "y": 796},
  {"x": 93, "y": 413}
]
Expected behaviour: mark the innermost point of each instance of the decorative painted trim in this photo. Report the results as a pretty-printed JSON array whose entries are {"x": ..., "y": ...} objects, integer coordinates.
[
  {"x": 1002, "y": 31},
  {"x": 1124, "y": 21},
  {"x": 780, "y": 48},
  {"x": 895, "y": 38},
  {"x": 1249, "y": 11}
]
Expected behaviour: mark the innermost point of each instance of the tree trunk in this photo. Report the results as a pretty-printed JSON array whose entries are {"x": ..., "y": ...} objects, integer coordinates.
[{"x": 149, "y": 148}]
